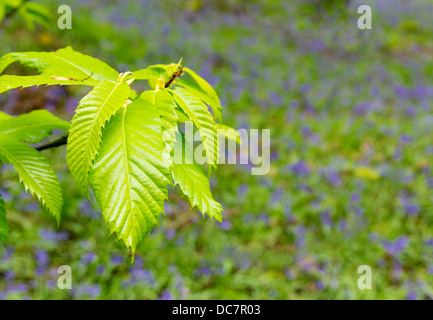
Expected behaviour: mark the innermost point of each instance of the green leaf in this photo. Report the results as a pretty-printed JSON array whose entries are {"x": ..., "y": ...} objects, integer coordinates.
[
  {"x": 32, "y": 127},
  {"x": 167, "y": 111},
  {"x": 4, "y": 227},
  {"x": 4, "y": 116},
  {"x": 229, "y": 133},
  {"x": 204, "y": 91},
  {"x": 129, "y": 175},
  {"x": 63, "y": 63},
  {"x": 37, "y": 13},
  {"x": 85, "y": 133},
  {"x": 153, "y": 72},
  {"x": 192, "y": 180},
  {"x": 34, "y": 171},
  {"x": 166, "y": 106},
  {"x": 198, "y": 112},
  {"x": 8, "y": 82}
]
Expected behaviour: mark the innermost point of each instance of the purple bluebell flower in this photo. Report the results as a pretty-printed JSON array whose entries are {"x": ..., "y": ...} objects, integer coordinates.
[
  {"x": 397, "y": 269},
  {"x": 5, "y": 195},
  {"x": 421, "y": 92},
  {"x": 300, "y": 168},
  {"x": 166, "y": 295},
  {"x": 430, "y": 269},
  {"x": 289, "y": 274},
  {"x": 358, "y": 211},
  {"x": 411, "y": 111},
  {"x": 19, "y": 288},
  {"x": 402, "y": 92},
  {"x": 138, "y": 260},
  {"x": 71, "y": 104},
  {"x": 276, "y": 196},
  {"x": 409, "y": 206},
  {"x": 317, "y": 45},
  {"x": 373, "y": 236},
  {"x": 139, "y": 274},
  {"x": 51, "y": 284},
  {"x": 306, "y": 131},
  {"x": 300, "y": 236},
  {"x": 100, "y": 269},
  {"x": 320, "y": 285},
  {"x": 117, "y": 259},
  {"x": 88, "y": 258},
  {"x": 203, "y": 271},
  {"x": 405, "y": 139},
  {"x": 165, "y": 30},
  {"x": 276, "y": 98},
  {"x": 342, "y": 225},
  {"x": 333, "y": 177},
  {"x": 9, "y": 275},
  {"x": 168, "y": 208},
  {"x": 225, "y": 225},
  {"x": 42, "y": 258},
  {"x": 91, "y": 291},
  {"x": 8, "y": 253},
  {"x": 306, "y": 264},
  {"x": 170, "y": 233},
  {"x": 265, "y": 218},
  {"x": 397, "y": 246},
  {"x": 412, "y": 295},
  {"x": 32, "y": 207},
  {"x": 244, "y": 264},
  {"x": 242, "y": 190},
  {"x": 53, "y": 236},
  {"x": 354, "y": 197},
  {"x": 363, "y": 108},
  {"x": 326, "y": 218}
]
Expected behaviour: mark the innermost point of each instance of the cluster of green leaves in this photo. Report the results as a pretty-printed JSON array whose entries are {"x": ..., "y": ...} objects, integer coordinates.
[
  {"x": 122, "y": 143},
  {"x": 31, "y": 12},
  {"x": 33, "y": 169}
]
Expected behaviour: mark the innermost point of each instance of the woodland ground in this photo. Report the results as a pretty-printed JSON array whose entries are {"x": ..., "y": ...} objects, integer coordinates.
[{"x": 351, "y": 183}]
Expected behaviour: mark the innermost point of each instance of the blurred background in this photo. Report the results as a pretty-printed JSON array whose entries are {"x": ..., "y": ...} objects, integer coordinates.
[{"x": 351, "y": 184}]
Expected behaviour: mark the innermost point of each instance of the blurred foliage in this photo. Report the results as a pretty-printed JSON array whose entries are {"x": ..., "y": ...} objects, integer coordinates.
[
  {"x": 30, "y": 12},
  {"x": 351, "y": 183}
]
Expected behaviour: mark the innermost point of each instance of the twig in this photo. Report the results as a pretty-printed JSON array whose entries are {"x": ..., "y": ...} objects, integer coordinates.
[
  {"x": 178, "y": 73},
  {"x": 56, "y": 143}
]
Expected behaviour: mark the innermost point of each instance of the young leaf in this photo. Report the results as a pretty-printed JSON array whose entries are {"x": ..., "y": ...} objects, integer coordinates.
[
  {"x": 32, "y": 127},
  {"x": 4, "y": 227},
  {"x": 152, "y": 72},
  {"x": 85, "y": 133},
  {"x": 8, "y": 82},
  {"x": 198, "y": 112},
  {"x": 207, "y": 89},
  {"x": 34, "y": 171},
  {"x": 166, "y": 106},
  {"x": 229, "y": 133},
  {"x": 129, "y": 175},
  {"x": 63, "y": 63},
  {"x": 192, "y": 180}
]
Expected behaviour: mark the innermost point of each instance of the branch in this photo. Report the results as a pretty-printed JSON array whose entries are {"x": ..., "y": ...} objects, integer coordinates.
[
  {"x": 64, "y": 140},
  {"x": 178, "y": 73},
  {"x": 56, "y": 143}
]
